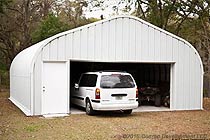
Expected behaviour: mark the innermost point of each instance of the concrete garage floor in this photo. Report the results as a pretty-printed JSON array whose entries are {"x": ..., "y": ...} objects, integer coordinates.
[{"x": 77, "y": 110}]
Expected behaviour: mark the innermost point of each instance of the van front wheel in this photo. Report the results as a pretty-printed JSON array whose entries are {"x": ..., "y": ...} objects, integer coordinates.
[{"x": 89, "y": 109}]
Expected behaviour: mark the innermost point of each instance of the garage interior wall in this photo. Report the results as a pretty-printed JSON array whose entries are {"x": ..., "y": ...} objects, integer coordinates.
[{"x": 125, "y": 39}]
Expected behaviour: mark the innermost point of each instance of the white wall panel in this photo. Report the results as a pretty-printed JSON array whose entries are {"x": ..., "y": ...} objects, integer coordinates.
[
  {"x": 38, "y": 85},
  {"x": 168, "y": 48},
  {"x": 98, "y": 41},
  {"x": 184, "y": 74},
  {"x": 126, "y": 38},
  {"x": 105, "y": 42},
  {"x": 187, "y": 75},
  {"x": 112, "y": 38},
  {"x": 175, "y": 72},
  {"x": 157, "y": 45},
  {"x": 76, "y": 45},
  {"x": 132, "y": 41},
  {"x": 91, "y": 43},
  {"x": 46, "y": 52},
  {"x": 197, "y": 85},
  {"x": 118, "y": 40},
  {"x": 180, "y": 82},
  {"x": 191, "y": 77},
  {"x": 151, "y": 44},
  {"x": 84, "y": 43},
  {"x": 144, "y": 42},
  {"x": 138, "y": 41},
  {"x": 69, "y": 44},
  {"x": 61, "y": 48},
  {"x": 163, "y": 46},
  {"x": 54, "y": 50}
]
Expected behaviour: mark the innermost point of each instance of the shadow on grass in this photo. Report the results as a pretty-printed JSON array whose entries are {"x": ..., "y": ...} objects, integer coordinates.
[{"x": 104, "y": 114}]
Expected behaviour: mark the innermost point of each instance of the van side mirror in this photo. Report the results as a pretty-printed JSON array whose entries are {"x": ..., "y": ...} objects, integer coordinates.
[{"x": 76, "y": 86}]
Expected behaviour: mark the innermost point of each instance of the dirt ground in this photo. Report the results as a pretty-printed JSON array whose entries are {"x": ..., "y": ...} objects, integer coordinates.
[{"x": 148, "y": 125}]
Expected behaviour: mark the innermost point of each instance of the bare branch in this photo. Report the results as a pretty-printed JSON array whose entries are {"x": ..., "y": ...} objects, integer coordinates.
[
  {"x": 141, "y": 9},
  {"x": 169, "y": 13}
]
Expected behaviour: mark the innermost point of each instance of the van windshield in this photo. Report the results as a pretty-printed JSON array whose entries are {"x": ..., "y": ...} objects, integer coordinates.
[{"x": 117, "y": 81}]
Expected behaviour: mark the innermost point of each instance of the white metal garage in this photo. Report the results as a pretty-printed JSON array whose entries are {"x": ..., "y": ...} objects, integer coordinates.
[{"x": 40, "y": 79}]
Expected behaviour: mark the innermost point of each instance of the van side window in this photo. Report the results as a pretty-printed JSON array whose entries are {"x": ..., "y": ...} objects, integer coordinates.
[{"x": 88, "y": 80}]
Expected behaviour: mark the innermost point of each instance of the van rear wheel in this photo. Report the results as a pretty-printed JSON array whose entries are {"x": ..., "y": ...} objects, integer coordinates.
[
  {"x": 89, "y": 109},
  {"x": 128, "y": 111}
]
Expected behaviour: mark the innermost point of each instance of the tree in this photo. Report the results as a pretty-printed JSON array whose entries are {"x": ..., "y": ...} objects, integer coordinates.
[
  {"x": 16, "y": 25},
  {"x": 3, "y": 5},
  {"x": 49, "y": 27}
]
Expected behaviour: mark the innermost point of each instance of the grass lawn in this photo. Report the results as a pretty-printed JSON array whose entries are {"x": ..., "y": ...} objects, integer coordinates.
[{"x": 148, "y": 125}]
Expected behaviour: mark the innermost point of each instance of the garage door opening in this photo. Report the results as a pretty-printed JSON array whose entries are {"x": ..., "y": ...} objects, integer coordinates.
[{"x": 153, "y": 81}]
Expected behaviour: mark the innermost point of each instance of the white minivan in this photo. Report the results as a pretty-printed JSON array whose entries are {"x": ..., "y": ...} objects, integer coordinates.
[{"x": 106, "y": 91}]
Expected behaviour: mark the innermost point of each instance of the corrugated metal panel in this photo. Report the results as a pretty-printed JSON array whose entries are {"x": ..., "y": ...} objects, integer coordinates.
[
  {"x": 118, "y": 40},
  {"x": 61, "y": 48},
  {"x": 69, "y": 43},
  {"x": 38, "y": 85},
  {"x": 179, "y": 81},
  {"x": 91, "y": 43},
  {"x": 98, "y": 42},
  {"x": 76, "y": 45},
  {"x": 144, "y": 41},
  {"x": 131, "y": 46},
  {"x": 112, "y": 38},
  {"x": 197, "y": 94},
  {"x": 138, "y": 42},
  {"x": 126, "y": 46},
  {"x": 163, "y": 43},
  {"x": 187, "y": 76},
  {"x": 168, "y": 50},
  {"x": 184, "y": 73},
  {"x": 46, "y": 52},
  {"x": 104, "y": 52},
  {"x": 157, "y": 45},
  {"x": 54, "y": 50},
  {"x": 84, "y": 47},
  {"x": 151, "y": 44}
]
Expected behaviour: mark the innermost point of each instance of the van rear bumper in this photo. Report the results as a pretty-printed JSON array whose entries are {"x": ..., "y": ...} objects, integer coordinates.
[{"x": 110, "y": 107}]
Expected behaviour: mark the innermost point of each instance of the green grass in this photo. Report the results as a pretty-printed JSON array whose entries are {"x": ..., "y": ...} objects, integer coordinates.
[{"x": 32, "y": 128}]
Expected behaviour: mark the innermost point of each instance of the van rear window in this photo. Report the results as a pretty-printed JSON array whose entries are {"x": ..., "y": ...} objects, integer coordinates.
[{"x": 117, "y": 81}]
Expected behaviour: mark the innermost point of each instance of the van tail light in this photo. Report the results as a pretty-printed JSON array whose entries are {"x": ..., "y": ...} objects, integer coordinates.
[
  {"x": 137, "y": 92},
  {"x": 97, "y": 93}
]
